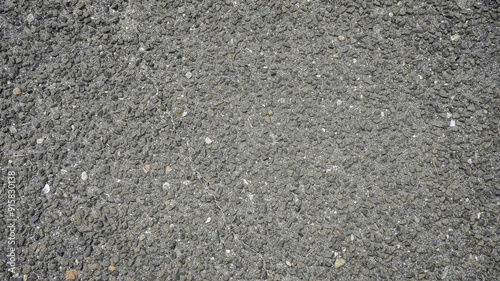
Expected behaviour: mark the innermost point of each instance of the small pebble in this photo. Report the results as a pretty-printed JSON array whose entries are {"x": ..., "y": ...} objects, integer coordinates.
[
  {"x": 452, "y": 123},
  {"x": 462, "y": 4},
  {"x": 455, "y": 37},
  {"x": 39, "y": 141},
  {"x": 339, "y": 263},
  {"x": 84, "y": 176},
  {"x": 71, "y": 274},
  {"x": 341, "y": 38},
  {"x": 30, "y": 18},
  {"x": 208, "y": 140},
  {"x": 46, "y": 188},
  {"x": 189, "y": 75},
  {"x": 270, "y": 113},
  {"x": 17, "y": 91},
  {"x": 445, "y": 273},
  {"x": 168, "y": 170}
]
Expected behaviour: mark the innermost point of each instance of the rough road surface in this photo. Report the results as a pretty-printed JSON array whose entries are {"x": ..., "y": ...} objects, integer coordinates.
[{"x": 250, "y": 140}]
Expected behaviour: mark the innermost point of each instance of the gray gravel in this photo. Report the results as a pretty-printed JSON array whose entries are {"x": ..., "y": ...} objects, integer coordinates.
[{"x": 250, "y": 140}]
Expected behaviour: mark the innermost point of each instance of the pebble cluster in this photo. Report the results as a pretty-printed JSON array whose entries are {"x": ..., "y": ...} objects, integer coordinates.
[{"x": 251, "y": 140}]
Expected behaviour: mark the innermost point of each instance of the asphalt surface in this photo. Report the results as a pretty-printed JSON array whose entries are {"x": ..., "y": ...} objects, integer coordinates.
[{"x": 250, "y": 140}]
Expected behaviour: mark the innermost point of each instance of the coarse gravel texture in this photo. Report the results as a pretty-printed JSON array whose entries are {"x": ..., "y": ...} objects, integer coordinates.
[{"x": 251, "y": 140}]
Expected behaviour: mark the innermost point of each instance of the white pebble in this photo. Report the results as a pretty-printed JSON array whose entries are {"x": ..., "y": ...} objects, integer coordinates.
[
  {"x": 452, "y": 123},
  {"x": 208, "y": 220},
  {"x": 46, "y": 188},
  {"x": 189, "y": 75},
  {"x": 339, "y": 102},
  {"x": 84, "y": 176},
  {"x": 208, "y": 140}
]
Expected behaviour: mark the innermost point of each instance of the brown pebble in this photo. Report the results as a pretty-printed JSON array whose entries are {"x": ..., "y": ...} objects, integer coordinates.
[
  {"x": 270, "y": 113},
  {"x": 335, "y": 56},
  {"x": 71, "y": 274},
  {"x": 112, "y": 268},
  {"x": 341, "y": 38},
  {"x": 17, "y": 91},
  {"x": 168, "y": 170}
]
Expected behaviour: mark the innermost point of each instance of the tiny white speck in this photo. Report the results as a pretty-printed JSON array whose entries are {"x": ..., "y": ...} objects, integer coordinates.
[
  {"x": 382, "y": 114},
  {"x": 46, "y": 188},
  {"x": 208, "y": 220}
]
